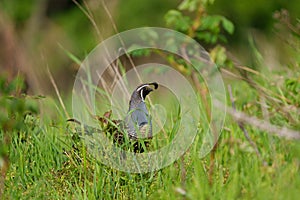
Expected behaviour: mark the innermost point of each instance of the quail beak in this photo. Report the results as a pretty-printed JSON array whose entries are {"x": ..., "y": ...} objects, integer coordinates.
[{"x": 148, "y": 89}]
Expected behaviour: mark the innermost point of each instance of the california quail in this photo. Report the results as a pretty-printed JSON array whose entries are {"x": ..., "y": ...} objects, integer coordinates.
[{"x": 137, "y": 123}]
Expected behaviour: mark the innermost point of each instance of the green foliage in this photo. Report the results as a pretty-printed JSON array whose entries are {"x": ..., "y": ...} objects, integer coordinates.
[
  {"x": 19, "y": 11},
  {"x": 256, "y": 15},
  {"x": 208, "y": 30},
  {"x": 176, "y": 19},
  {"x": 14, "y": 105},
  {"x": 292, "y": 90},
  {"x": 15, "y": 109},
  {"x": 136, "y": 52},
  {"x": 135, "y": 13},
  {"x": 204, "y": 27},
  {"x": 190, "y": 5},
  {"x": 49, "y": 163}
]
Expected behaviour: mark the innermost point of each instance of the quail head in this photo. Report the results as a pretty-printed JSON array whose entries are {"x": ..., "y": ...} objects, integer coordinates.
[{"x": 138, "y": 121}]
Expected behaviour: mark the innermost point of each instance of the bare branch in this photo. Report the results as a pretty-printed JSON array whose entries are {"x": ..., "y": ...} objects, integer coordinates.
[{"x": 238, "y": 116}]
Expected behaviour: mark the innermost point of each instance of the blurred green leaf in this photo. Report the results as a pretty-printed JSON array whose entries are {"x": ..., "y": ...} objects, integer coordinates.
[
  {"x": 15, "y": 106},
  {"x": 210, "y": 22},
  {"x": 190, "y": 5},
  {"x": 137, "y": 50},
  {"x": 176, "y": 19},
  {"x": 227, "y": 25},
  {"x": 218, "y": 55}
]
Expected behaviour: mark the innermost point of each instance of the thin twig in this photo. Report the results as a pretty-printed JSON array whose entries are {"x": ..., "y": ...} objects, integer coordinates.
[{"x": 57, "y": 93}]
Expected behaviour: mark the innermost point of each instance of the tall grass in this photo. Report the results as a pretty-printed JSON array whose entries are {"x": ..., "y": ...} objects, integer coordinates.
[{"x": 47, "y": 160}]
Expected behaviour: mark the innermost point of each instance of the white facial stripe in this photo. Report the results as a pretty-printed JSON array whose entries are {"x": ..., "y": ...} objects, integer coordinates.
[
  {"x": 142, "y": 87},
  {"x": 141, "y": 93}
]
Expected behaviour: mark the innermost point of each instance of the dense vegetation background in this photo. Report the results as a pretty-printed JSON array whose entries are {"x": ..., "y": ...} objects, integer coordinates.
[
  {"x": 256, "y": 45},
  {"x": 34, "y": 28}
]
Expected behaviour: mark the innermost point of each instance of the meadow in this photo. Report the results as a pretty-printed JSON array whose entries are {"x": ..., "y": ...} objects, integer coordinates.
[{"x": 257, "y": 155}]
